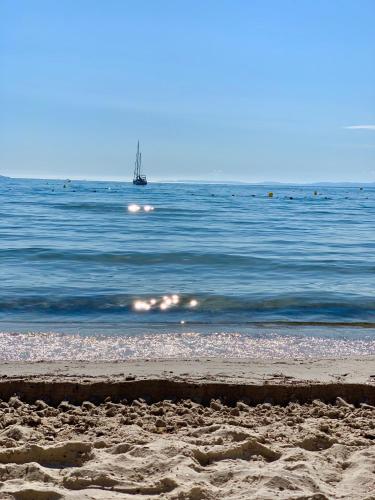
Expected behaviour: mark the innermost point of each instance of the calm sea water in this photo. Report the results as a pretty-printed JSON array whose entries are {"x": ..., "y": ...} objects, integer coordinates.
[{"x": 203, "y": 260}]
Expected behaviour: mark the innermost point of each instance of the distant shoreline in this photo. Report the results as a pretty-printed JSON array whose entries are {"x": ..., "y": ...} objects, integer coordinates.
[{"x": 343, "y": 184}]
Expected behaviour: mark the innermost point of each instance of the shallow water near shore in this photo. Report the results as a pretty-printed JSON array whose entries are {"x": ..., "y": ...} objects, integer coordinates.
[
  {"x": 212, "y": 261},
  {"x": 92, "y": 344}
]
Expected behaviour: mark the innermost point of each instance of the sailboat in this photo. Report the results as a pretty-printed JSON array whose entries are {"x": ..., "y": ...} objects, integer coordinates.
[{"x": 139, "y": 179}]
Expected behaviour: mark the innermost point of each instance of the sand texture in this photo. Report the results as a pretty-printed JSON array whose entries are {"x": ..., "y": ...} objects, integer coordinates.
[
  {"x": 185, "y": 450},
  {"x": 165, "y": 445}
]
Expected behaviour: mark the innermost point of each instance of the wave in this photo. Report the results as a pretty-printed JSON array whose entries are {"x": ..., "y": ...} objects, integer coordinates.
[
  {"x": 208, "y": 260},
  {"x": 308, "y": 306},
  {"x": 89, "y": 206}
]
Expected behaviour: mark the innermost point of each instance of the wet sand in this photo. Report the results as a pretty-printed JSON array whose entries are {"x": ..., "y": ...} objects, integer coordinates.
[
  {"x": 188, "y": 429},
  {"x": 359, "y": 369}
]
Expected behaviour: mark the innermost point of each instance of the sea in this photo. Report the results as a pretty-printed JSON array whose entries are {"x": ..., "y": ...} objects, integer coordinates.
[{"x": 108, "y": 270}]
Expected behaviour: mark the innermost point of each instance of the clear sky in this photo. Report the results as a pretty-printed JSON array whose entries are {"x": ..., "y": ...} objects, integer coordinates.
[{"x": 252, "y": 90}]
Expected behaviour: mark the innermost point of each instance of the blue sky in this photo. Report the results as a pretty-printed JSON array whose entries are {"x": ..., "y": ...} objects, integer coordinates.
[{"x": 254, "y": 90}]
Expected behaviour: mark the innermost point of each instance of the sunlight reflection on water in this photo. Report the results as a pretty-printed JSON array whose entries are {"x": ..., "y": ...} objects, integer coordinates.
[
  {"x": 56, "y": 346},
  {"x": 163, "y": 303}
]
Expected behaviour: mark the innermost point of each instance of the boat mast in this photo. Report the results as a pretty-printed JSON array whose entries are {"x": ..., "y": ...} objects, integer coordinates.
[{"x": 137, "y": 163}]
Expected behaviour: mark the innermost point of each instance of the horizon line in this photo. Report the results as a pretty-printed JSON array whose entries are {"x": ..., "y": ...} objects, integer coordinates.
[{"x": 190, "y": 181}]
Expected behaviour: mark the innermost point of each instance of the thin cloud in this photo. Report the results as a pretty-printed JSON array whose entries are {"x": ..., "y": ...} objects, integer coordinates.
[{"x": 360, "y": 127}]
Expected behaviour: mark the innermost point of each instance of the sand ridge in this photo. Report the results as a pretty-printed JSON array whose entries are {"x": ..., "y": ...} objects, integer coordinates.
[{"x": 185, "y": 450}]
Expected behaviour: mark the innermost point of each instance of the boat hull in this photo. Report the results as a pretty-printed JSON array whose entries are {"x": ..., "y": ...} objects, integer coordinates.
[{"x": 140, "y": 182}]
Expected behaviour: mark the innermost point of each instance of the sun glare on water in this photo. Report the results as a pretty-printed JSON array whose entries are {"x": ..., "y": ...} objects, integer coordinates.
[
  {"x": 140, "y": 305},
  {"x": 134, "y": 208},
  {"x": 163, "y": 303}
]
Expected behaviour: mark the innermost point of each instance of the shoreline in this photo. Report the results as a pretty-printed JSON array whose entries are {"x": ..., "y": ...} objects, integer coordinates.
[
  {"x": 109, "y": 328},
  {"x": 250, "y": 343}
]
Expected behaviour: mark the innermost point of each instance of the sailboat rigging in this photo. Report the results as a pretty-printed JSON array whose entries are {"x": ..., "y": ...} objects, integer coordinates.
[{"x": 139, "y": 179}]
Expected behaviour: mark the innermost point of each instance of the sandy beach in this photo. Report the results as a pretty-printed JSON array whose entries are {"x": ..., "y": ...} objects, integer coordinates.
[
  {"x": 188, "y": 429},
  {"x": 187, "y": 250}
]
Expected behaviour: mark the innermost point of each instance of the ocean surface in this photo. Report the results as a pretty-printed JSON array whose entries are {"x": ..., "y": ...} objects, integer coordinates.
[{"x": 105, "y": 270}]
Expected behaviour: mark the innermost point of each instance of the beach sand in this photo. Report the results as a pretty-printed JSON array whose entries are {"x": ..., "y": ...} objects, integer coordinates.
[{"x": 188, "y": 429}]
